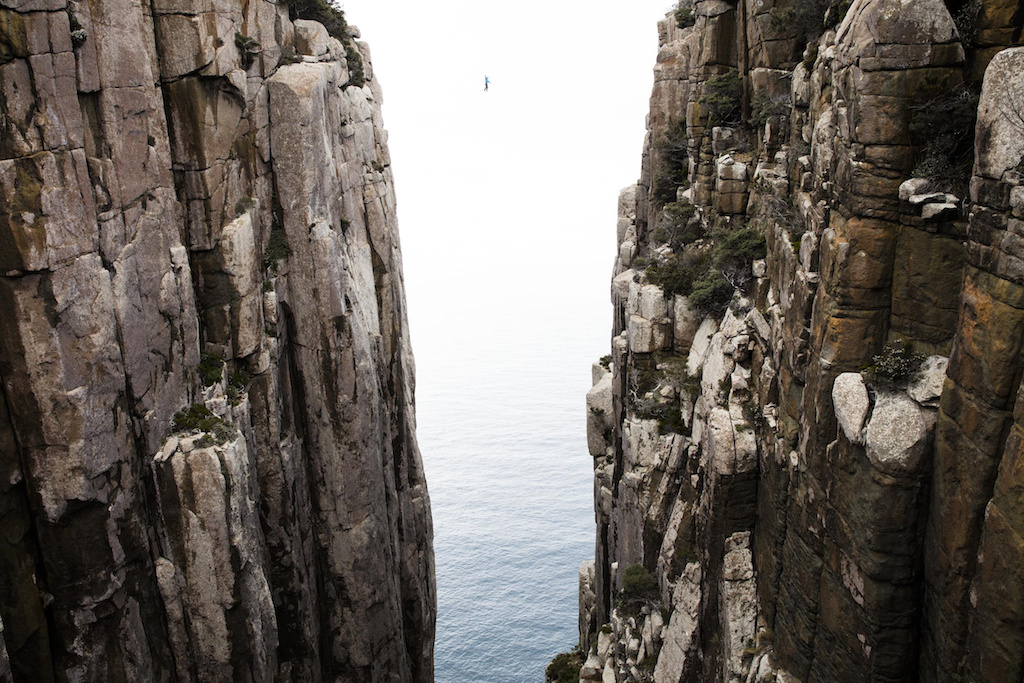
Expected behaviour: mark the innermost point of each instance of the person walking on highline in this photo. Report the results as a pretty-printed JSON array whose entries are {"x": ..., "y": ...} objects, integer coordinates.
[{"x": 487, "y": 83}]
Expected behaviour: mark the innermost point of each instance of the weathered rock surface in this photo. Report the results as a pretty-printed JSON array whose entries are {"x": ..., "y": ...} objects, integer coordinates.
[
  {"x": 199, "y": 218},
  {"x": 805, "y": 524}
]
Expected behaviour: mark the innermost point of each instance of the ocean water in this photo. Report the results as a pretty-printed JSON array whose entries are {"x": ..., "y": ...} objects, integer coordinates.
[{"x": 501, "y": 425}]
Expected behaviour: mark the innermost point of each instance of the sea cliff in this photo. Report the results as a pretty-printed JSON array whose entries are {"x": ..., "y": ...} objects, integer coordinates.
[
  {"x": 207, "y": 435},
  {"x": 807, "y": 437}
]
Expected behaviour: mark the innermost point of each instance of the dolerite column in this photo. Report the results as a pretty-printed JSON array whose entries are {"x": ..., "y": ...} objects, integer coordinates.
[{"x": 977, "y": 415}]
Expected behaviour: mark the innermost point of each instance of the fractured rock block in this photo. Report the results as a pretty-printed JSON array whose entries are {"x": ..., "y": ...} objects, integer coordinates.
[
  {"x": 600, "y": 419},
  {"x": 851, "y": 403},
  {"x": 647, "y": 336},
  {"x": 215, "y": 559},
  {"x": 898, "y": 435}
]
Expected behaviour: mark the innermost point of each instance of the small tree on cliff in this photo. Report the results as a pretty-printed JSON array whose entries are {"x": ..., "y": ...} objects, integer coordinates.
[{"x": 722, "y": 97}]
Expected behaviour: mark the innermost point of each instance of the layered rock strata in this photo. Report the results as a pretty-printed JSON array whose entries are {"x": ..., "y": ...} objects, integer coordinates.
[
  {"x": 207, "y": 443},
  {"x": 805, "y": 522}
]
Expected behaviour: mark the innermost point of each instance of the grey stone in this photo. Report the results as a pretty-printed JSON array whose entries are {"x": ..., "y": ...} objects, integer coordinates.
[
  {"x": 678, "y": 639},
  {"x": 898, "y": 434},
  {"x": 940, "y": 211},
  {"x": 600, "y": 419},
  {"x": 851, "y": 403},
  {"x": 927, "y": 388},
  {"x": 1000, "y": 129},
  {"x": 1017, "y": 201}
]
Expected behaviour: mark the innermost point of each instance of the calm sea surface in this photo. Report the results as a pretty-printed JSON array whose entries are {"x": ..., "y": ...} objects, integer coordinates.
[{"x": 502, "y": 372}]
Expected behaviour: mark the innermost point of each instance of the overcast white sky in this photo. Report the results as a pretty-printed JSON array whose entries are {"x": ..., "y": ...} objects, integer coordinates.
[{"x": 523, "y": 178}]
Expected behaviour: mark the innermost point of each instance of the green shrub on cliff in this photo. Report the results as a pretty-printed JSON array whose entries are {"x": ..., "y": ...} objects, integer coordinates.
[
  {"x": 324, "y": 11},
  {"x": 211, "y": 368},
  {"x": 565, "y": 667},
  {"x": 638, "y": 583},
  {"x": 708, "y": 277},
  {"x": 277, "y": 248},
  {"x": 677, "y": 273},
  {"x": 735, "y": 249},
  {"x": 895, "y": 367},
  {"x": 248, "y": 46},
  {"x": 238, "y": 384},
  {"x": 639, "y": 587},
  {"x": 803, "y": 19},
  {"x": 678, "y": 226},
  {"x": 683, "y": 11},
  {"x": 673, "y": 166},
  {"x": 966, "y": 20},
  {"x": 942, "y": 130},
  {"x": 763, "y": 107},
  {"x": 711, "y": 293},
  {"x": 669, "y": 417},
  {"x": 198, "y": 417},
  {"x": 722, "y": 96}
]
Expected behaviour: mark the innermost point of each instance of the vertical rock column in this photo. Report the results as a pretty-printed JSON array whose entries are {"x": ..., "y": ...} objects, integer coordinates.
[
  {"x": 979, "y": 399},
  {"x": 97, "y": 334},
  {"x": 886, "y": 57},
  {"x": 344, "y": 312}
]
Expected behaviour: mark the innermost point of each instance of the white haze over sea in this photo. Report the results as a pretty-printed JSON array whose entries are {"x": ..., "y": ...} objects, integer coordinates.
[{"x": 507, "y": 206}]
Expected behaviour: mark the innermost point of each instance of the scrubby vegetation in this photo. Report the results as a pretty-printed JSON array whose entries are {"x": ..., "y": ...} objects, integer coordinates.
[
  {"x": 211, "y": 368},
  {"x": 806, "y": 20},
  {"x": 774, "y": 208},
  {"x": 277, "y": 248},
  {"x": 238, "y": 383},
  {"x": 677, "y": 273},
  {"x": 708, "y": 275},
  {"x": 966, "y": 20},
  {"x": 645, "y": 403},
  {"x": 289, "y": 56},
  {"x": 735, "y": 250},
  {"x": 711, "y": 292},
  {"x": 895, "y": 367},
  {"x": 668, "y": 415},
  {"x": 248, "y": 46},
  {"x": 942, "y": 129},
  {"x": 685, "y": 17},
  {"x": 199, "y": 418},
  {"x": 763, "y": 107},
  {"x": 639, "y": 587},
  {"x": 836, "y": 12},
  {"x": 679, "y": 226},
  {"x": 674, "y": 163},
  {"x": 639, "y": 584},
  {"x": 565, "y": 667},
  {"x": 722, "y": 97},
  {"x": 803, "y": 19},
  {"x": 244, "y": 204}
]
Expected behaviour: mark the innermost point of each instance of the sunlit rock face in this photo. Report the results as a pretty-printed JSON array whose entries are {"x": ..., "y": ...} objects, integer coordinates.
[
  {"x": 207, "y": 436},
  {"x": 814, "y": 439}
]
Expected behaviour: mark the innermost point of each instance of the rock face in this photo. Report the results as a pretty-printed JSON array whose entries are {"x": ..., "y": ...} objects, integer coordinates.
[
  {"x": 805, "y": 521},
  {"x": 207, "y": 449}
]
